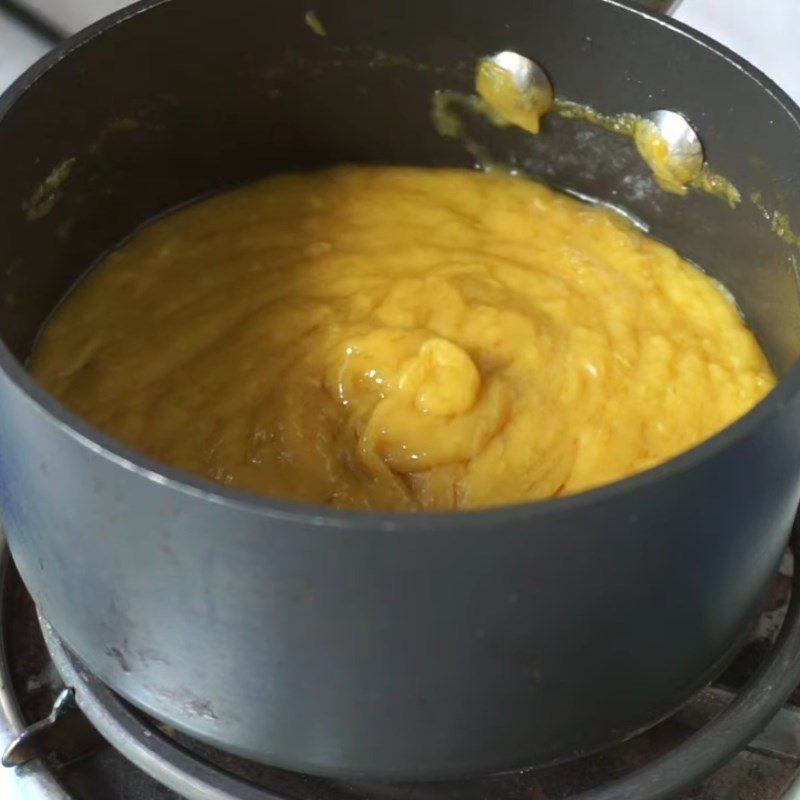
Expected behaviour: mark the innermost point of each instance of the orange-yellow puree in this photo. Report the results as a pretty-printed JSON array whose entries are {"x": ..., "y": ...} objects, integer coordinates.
[{"x": 402, "y": 338}]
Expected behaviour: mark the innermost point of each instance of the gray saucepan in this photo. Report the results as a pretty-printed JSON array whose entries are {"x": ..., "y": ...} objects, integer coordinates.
[{"x": 388, "y": 644}]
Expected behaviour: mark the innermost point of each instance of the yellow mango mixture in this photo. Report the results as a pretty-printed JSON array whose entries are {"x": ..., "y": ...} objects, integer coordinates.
[{"x": 402, "y": 338}]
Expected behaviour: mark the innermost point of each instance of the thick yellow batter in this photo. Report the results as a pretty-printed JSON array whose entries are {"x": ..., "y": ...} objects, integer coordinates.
[{"x": 402, "y": 338}]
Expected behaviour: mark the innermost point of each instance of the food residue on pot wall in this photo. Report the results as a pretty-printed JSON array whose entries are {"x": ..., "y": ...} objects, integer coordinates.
[
  {"x": 314, "y": 22},
  {"x": 778, "y": 220},
  {"x": 499, "y": 99},
  {"x": 648, "y": 145},
  {"x": 45, "y": 196}
]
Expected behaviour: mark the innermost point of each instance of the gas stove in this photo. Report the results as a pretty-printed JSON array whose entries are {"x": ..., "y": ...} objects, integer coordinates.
[{"x": 68, "y": 737}]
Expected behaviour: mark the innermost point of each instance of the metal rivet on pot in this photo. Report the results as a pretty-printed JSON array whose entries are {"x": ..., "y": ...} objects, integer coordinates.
[
  {"x": 527, "y": 74},
  {"x": 533, "y": 89},
  {"x": 680, "y": 157}
]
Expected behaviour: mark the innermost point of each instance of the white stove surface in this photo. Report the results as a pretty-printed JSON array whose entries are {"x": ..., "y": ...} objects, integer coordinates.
[
  {"x": 763, "y": 31},
  {"x": 19, "y": 48},
  {"x": 72, "y": 15}
]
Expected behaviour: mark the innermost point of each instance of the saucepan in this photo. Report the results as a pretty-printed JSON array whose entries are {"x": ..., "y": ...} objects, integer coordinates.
[{"x": 389, "y": 644}]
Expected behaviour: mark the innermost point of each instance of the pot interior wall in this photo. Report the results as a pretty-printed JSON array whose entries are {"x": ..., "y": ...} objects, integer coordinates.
[{"x": 191, "y": 96}]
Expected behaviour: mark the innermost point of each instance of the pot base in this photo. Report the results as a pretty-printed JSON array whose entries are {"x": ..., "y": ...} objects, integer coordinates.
[{"x": 727, "y": 723}]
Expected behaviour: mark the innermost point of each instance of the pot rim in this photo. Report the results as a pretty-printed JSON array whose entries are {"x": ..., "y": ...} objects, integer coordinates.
[{"x": 322, "y": 516}]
